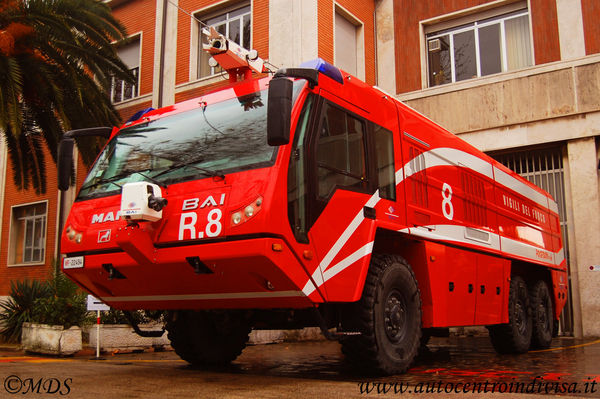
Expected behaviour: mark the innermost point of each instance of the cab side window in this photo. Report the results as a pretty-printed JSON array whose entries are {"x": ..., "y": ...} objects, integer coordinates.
[
  {"x": 384, "y": 155},
  {"x": 340, "y": 152}
]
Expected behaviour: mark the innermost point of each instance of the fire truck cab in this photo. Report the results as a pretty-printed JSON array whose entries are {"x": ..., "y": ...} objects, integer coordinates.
[{"x": 314, "y": 199}]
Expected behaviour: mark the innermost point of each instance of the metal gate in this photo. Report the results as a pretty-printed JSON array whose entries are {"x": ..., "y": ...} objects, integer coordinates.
[{"x": 544, "y": 168}]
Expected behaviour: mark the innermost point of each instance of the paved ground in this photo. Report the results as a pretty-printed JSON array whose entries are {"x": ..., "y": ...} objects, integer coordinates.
[{"x": 311, "y": 369}]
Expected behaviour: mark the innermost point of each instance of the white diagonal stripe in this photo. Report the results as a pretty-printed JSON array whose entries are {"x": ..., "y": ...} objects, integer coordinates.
[
  {"x": 317, "y": 275},
  {"x": 343, "y": 264}
]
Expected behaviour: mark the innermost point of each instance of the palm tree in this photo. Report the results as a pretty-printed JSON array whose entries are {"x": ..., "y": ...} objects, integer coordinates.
[{"x": 56, "y": 59}]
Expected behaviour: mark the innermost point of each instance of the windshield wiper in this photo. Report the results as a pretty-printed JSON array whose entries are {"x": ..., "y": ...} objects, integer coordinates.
[
  {"x": 121, "y": 175},
  {"x": 208, "y": 172},
  {"x": 106, "y": 180}
]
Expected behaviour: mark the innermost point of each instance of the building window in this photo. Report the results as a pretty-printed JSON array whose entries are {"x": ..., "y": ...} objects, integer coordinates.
[
  {"x": 130, "y": 55},
  {"x": 484, "y": 47},
  {"x": 346, "y": 39},
  {"x": 28, "y": 234},
  {"x": 235, "y": 24}
]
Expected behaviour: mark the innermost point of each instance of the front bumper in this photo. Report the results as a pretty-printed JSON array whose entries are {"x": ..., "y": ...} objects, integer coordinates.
[{"x": 260, "y": 273}]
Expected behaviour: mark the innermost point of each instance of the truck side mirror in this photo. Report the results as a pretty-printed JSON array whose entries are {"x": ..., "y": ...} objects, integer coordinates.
[
  {"x": 279, "y": 111},
  {"x": 65, "y": 152},
  {"x": 65, "y": 163}
]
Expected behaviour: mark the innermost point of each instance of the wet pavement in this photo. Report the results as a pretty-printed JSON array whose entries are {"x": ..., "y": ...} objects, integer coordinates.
[
  {"x": 569, "y": 367},
  {"x": 467, "y": 365}
]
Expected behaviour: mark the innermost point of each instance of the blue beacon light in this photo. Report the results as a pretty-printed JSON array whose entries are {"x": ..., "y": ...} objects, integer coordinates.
[{"x": 325, "y": 68}]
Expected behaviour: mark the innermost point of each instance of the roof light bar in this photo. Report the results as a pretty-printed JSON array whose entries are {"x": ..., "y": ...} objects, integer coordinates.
[
  {"x": 310, "y": 71},
  {"x": 325, "y": 68},
  {"x": 311, "y": 75}
]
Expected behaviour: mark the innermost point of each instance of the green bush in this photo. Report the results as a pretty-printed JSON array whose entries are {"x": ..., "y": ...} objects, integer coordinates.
[
  {"x": 66, "y": 306},
  {"x": 18, "y": 308},
  {"x": 57, "y": 301},
  {"x": 115, "y": 316}
]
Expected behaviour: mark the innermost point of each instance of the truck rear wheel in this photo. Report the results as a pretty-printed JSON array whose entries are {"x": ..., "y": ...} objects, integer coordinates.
[
  {"x": 543, "y": 322},
  {"x": 515, "y": 336},
  {"x": 205, "y": 338},
  {"x": 388, "y": 316}
]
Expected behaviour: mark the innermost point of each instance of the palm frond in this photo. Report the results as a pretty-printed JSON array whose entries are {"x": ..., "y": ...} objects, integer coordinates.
[{"x": 55, "y": 79}]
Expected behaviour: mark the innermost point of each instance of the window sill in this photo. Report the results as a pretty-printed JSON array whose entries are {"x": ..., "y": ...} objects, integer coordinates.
[
  {"x": 133, "y": 101},
  {"x": 201, "y": 82},
  {"x": 496, "y": 78},
  {"x": 27, "y": 264}
]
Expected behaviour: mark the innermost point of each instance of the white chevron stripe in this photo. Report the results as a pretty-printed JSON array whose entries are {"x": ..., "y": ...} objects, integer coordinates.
[
  {"x": 443, "y": 156},
  {"x": 317, "y": 275},
  {"x": 456, "y": 233}
]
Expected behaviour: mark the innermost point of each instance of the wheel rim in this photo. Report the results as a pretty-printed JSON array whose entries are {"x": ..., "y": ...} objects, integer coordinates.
[
  {"x": 395, "y": 316},
  {"x": 544, "y": 313},
  {"x": 521, "y": 318}
]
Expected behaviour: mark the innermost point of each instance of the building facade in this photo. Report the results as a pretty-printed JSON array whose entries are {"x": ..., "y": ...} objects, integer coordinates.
[{"x": 519, "y": 79}]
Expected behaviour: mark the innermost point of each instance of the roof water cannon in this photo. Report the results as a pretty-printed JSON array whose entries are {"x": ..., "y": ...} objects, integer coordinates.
[{"x": 232, "y": 57}]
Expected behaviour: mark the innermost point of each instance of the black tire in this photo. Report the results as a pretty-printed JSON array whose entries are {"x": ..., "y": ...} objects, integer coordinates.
[
  {"x": 388, "y": 316},
  {"x": 514, "y": 337},
  {"x": 542, "y": 315},
  {"x": 205, "y": 338},
  {"x": 425, "y": 337}
]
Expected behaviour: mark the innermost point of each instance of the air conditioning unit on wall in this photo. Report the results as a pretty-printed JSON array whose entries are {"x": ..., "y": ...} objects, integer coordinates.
[{"x": 434, "y": 45}]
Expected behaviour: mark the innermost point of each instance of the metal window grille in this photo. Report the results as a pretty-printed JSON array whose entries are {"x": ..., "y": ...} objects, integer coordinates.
[
  {"x": 121, "y": 90},
  {"x": 544, "y": 168}
]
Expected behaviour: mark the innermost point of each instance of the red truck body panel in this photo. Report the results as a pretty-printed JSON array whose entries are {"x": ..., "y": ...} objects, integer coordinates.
[{"x": 463, "y": 222}]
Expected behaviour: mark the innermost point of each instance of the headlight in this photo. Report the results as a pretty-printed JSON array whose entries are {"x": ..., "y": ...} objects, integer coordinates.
[
  {"x": 73, "y": 235},
  {"x": 242, "y": 215}
]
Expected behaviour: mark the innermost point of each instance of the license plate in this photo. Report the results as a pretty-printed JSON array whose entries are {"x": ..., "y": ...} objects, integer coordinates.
[{"x": 75, "y": 262}]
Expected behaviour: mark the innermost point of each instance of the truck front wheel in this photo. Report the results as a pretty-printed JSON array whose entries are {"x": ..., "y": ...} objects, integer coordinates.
[
  {"x": 388, "y": 316},
  {"x": 205, "y": 338}
]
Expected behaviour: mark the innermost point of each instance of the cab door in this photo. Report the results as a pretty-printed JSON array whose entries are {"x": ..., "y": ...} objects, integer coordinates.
[{"x": 351, "y": 184}]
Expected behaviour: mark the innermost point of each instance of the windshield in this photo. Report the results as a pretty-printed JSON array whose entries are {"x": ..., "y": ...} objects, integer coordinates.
[{"x": 211, "y": 140}]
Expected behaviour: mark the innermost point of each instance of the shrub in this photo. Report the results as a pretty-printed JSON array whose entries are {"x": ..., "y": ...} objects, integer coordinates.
[
  {"x": 18, "y": 308},
  {"x": 57, "y": 301},
  {"x": 114, "y": 316},
  {"x": 66, "y": 306}
]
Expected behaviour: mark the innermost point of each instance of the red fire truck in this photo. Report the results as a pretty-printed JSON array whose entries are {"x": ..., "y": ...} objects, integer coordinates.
[{"x": 312, "y": 199}]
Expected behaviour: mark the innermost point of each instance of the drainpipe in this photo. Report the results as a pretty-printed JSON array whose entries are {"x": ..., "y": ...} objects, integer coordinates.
[
  {"x": 375, "y": 41},
  {"x": 161, "y": 65}
]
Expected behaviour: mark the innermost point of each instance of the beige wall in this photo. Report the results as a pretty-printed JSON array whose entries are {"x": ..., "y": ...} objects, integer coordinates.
[
  {"x": 170, "y": 54},
  {"x": 558, "y": 90},
  {"x": 570, "y": 29},
  {"x": 293, "y": 32},
  {"x": 583, "y": 163},
  {"x": 554, "y": 103},
  {"x": 386, "y": 63}
]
